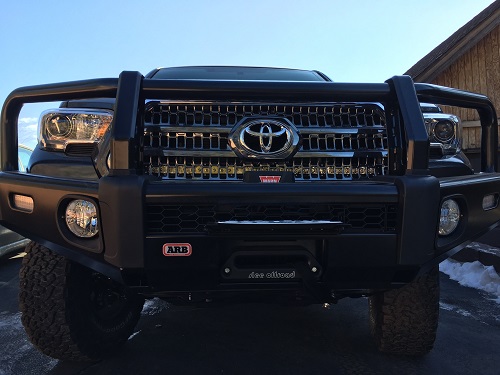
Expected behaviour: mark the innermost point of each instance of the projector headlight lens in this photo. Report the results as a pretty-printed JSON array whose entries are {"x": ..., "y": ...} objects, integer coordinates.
[{"x": 444, "y": 131}]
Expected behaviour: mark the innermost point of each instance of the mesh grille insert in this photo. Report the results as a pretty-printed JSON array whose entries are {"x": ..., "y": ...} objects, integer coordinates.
[{"x": 163, "y": 219}]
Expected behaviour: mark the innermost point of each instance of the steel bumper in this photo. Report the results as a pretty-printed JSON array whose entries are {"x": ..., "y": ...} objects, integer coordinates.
[{"x": 344, "y": 256}]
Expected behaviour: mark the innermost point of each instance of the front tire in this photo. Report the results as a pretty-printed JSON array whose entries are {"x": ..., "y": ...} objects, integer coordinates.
[
  {"x": 71, "y": 312},
  {"x": 404, "y": 321}
]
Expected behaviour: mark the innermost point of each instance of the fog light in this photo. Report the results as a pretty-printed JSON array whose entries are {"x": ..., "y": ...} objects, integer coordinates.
[
  {"x": 81, "y": 218},
  {"x": 22, "y": 203},
  {"x": 490, "y": 202},
  {"x": 450, "y": 217}
]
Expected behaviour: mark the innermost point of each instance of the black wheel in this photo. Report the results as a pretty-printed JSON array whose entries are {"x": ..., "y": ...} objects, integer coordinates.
[
  {"x": 404, "y": 321},
  {"x": 71, "y": 312}
]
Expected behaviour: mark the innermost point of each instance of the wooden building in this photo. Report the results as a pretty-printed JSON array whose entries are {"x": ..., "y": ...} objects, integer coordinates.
[{"x": 469, "y": 60}]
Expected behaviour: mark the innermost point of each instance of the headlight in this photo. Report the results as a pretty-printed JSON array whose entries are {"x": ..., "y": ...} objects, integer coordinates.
[
  {"x": 444, "y": 132},
  {"x": 59, "y": 127}
]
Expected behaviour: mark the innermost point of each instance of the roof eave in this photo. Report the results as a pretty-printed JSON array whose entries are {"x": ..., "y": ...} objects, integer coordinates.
[{"x": 440, "y": 58}]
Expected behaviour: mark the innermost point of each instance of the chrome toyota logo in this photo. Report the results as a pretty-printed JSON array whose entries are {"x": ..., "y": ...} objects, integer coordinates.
[{"x": 264, "y": 138}]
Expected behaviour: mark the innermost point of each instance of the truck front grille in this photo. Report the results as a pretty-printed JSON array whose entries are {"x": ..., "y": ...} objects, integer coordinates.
[
  {"x": 340, "y": 141},
  {"x": 168, "y": 219}
]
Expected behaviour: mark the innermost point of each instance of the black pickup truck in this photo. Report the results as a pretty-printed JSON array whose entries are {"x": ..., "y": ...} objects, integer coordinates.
[{"x": 233, "y": 184}]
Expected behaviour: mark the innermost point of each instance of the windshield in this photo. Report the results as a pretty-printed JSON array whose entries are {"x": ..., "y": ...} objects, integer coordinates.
[{"x": 237, "y": 73}]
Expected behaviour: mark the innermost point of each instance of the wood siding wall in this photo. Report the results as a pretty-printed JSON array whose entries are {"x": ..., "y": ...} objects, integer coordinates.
[{"x": 478, "y": 70}]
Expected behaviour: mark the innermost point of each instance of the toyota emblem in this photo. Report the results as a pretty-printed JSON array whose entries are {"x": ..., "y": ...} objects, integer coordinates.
[{"x": 264, "y": 138}]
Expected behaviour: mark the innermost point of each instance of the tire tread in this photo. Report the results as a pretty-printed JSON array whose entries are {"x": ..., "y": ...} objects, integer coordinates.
[
  {"x": 50, "y": 301},
  {"x": 404, "y": 321}
]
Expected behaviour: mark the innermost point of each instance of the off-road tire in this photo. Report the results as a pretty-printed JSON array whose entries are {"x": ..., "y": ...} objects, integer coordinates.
[
  {"x": 71, "y": 312},
  {"x": 404, "y": 321}
]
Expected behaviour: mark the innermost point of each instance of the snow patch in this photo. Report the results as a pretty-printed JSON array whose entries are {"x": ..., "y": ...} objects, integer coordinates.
[
  {"x": 484, "y": 248},
  {"x": 474, "y": 275},
  {"x": 154, "y": 306},
  {"x": 448, "y": 307}
]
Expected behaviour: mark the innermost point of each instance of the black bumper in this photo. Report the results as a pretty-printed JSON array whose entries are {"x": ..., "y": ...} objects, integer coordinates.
[{"x": 394, "y": 240}]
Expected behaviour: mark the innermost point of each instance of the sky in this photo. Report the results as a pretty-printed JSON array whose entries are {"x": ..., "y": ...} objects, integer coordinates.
[{"x": 350, "y": 41}]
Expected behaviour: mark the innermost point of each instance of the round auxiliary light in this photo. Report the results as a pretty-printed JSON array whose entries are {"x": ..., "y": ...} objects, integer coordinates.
[
  {"x": 449, "y": 218},
  {"x": 444, "y": 131},
  {"x": 81, "y": 218}
]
